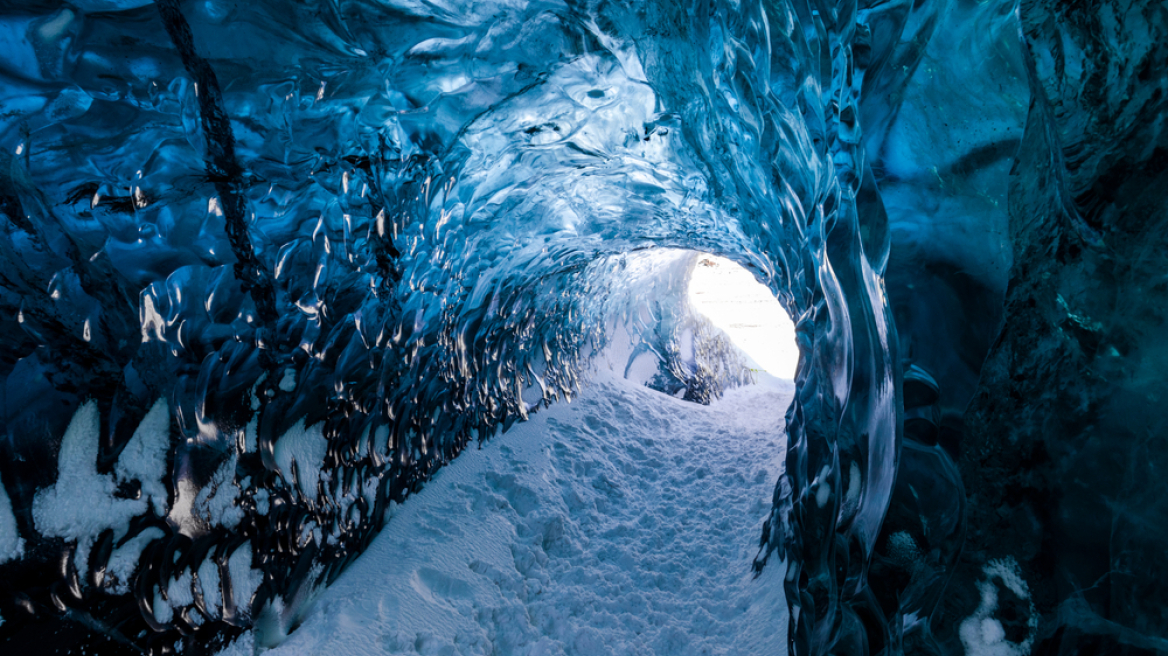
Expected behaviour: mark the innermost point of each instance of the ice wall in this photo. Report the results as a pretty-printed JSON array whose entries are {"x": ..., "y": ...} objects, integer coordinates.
[
  {"x": 1066, "y": 441},
  {"x": 943, "y": 121},
  {"x": 1025, "y": 514}
]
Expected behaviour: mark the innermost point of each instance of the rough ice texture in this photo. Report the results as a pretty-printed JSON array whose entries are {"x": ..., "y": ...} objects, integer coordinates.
[
  {"x": 419, "y": 221},
  {"x": 1066, "y": 439}
]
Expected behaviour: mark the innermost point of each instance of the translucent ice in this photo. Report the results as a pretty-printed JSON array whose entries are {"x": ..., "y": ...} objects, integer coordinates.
[
  {"x": 343, "y": 241},
  {"x": 265, "y": 267}
]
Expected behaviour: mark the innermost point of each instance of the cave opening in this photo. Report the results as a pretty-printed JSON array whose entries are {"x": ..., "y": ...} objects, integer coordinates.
[{"x": 747, "y": 311}]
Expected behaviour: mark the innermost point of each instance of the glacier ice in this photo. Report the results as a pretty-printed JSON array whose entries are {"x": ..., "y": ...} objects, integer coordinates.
[{"x": 265, "y": 267}]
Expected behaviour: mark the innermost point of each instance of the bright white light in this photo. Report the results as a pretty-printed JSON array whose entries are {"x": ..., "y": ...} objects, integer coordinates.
[{"x": 744, "y": 309}]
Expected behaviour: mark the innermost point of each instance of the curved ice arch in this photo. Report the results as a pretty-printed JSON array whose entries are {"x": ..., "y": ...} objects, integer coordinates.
[{"x": 434, "y": 253}]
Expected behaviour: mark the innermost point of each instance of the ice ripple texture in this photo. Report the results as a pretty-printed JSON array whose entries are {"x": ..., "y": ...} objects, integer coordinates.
[
  {"x": 266, "y": 266},
  {"x": 332, "y": 245}
]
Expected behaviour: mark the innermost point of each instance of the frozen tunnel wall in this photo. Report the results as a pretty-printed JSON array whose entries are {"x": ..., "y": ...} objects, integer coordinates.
[
  {"x": 1066, "y": 442},
  {"x": 279, "y": 263},
  {"x": 1024, "y": 285},
  {"x": 941, "y": 157}
]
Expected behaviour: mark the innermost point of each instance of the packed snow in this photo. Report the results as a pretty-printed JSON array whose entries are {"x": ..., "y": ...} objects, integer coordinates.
[
  {"x": 981, "y": 633},
  {"x": 81, "y": 504},
  {"x": 11, "y": 545},
  {"x": 624, "y": 522}
]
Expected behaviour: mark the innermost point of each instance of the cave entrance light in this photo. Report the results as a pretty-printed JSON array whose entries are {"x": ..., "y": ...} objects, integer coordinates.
[{"x": 746, "y": 310}]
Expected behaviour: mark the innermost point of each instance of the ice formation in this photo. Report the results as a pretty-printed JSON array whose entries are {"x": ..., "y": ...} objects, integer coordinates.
[{"x": 265, "y": 267}]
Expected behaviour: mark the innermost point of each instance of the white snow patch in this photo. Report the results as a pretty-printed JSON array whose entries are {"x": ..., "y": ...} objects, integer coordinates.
[
  {"x": 144, "y": 457},
  {"x": 380, "y": 441},
  {"x": 209, "y": 582},
  {"x": 624, "y": 522},
  {"x": 244, "y": 645},
  {"x": 244, "y": 580},
  {"x": 306, "y": 447},
  {"x": 124, "y": 560},
  {"x": 11, "y": 544},
  {"x": 269, "y": 628},
  {"x": 163, "y": 613},
  {"x": 262, "y": 501},
  {"x": 250, "y": 435},
  {"x": 217, "y": 502},
  {"x": 178, "y": 593},
  {"x": 980, "y": 633},
  {"x": 903, "y": 549},
  {"x": 81, "y": 504}
]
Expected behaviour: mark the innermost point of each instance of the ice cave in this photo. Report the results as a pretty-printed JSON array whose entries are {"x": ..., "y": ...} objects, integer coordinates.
[{"x": 386, "y": 327}]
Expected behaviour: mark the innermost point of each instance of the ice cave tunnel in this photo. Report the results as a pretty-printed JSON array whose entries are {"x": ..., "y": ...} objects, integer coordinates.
[{"x": 269, "y": 268}]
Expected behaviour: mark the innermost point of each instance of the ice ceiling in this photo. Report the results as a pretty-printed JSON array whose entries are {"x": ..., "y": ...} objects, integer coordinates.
[{"x": 267, "y": 265}]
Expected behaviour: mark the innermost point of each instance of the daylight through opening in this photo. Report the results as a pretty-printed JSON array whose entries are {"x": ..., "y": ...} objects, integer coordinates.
[{"x": 750, "y": 315}]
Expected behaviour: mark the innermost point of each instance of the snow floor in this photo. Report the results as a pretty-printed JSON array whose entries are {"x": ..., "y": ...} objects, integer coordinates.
[{"x": 624, "y": 522}]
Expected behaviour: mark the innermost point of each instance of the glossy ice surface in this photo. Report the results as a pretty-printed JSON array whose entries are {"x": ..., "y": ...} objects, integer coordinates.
[{"x": 266, "y": 266}]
